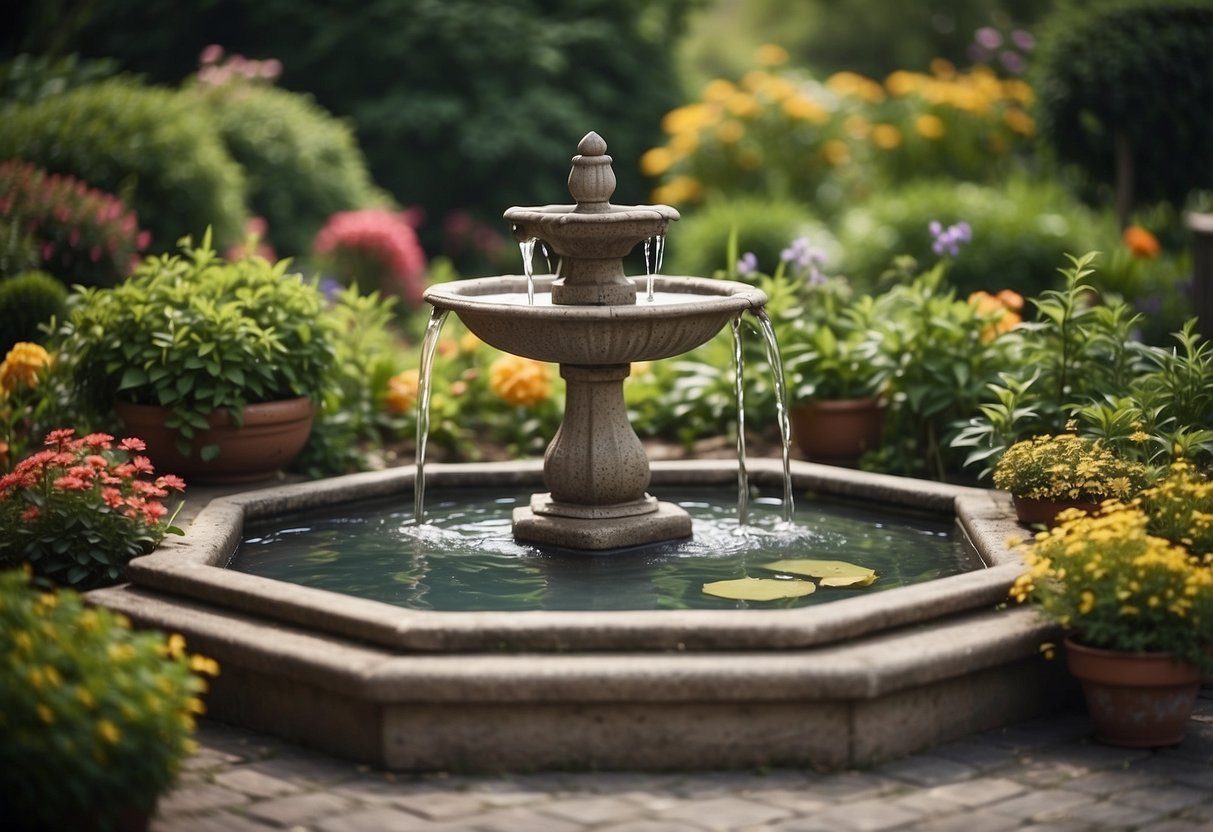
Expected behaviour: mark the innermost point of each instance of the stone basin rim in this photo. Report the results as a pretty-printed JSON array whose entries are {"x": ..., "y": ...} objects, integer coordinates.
[
  {"x": 705, "y": 296},
  {"x": 194, "y": 566}
]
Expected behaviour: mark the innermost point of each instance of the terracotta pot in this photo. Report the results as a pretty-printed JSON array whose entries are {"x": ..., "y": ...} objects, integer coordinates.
[
  {"x": 271, "y": 435},
  {"x": 1136, "y": 700},
  {"x": 1045, "y": 511},
  {"x": 838, "y": 431}
]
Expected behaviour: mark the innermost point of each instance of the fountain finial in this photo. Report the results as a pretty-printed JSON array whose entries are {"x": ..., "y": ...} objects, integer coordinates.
[{"x": 592, "y": 179}]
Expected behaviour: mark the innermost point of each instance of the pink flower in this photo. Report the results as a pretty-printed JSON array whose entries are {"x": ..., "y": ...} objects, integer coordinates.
[
  {"x": 153, "y": 511},
  {"x": 171, "y": 481},
  {"x": 30, "y": 514},
  {"x": 212, "y": 54},
  {"x": 101, "y": 441},
  {"x": 142, "y": 465},
  {"x": 132, "y": 443},
  {"x": 70, "y": 483},
  {"x": 112, "y": 497}
]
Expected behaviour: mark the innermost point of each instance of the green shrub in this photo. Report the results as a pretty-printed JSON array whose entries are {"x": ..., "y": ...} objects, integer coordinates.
[
  {"x": 30, "y": 78},
  {"x": 1020, "y": 232},
  {"x": 96, "y": 717},
  {"x": 1130, "y": 79},
  {"x": 17, "y": 250},
  {"x": 82, "y": 235},
  {"x": 301, "y": 163},
  {"x": 153, "y": 147},
  {"x": 698, "y": 244},
  {"x": 27, "y": 301}
]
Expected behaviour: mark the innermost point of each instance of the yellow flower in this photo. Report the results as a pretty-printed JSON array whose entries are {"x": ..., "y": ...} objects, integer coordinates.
[
  {"x": 730, "y": 132},
  {"x": 836, "y": 152},
  {"x": 803, "y": 108},
  {"x": 886, "y": 136},
  {"x": 656, "y": 161},
  {"x": 1019, "y": 122},
  {"x": 519, "y": 381},
  {"x": 469, "y": 343},
  {"x": 108, "y": 731},
  {"x": 689, "y": 117},
  {"x": 22, "y": 365},
  {"x": 402, "y": 391},
  {"x": 930, "y": 126},
  {"x": 770, "y": 54},
  {"x": 678, "y": 190},
  {"x": 1086, "y": 602},
  {"x": 718, "y": 90}
]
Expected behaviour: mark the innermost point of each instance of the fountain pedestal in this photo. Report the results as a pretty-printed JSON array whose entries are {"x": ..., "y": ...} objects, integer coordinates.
[{"x": 597, "y": 471}]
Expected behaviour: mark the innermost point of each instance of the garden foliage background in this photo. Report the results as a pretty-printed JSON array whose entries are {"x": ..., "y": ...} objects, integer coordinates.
[{"x": 377, "y": 144}]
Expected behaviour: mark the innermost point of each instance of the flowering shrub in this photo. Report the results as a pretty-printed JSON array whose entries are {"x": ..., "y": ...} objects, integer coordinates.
[
  {"x": 96, "y": 717},
  {"x": 1067, "y": 466},
  {"x": 781, "y": 132},
  {"x": 521, "y": 382},
  {"x": 1117, "y": 587},
  {"x": 79, "y": 509},
  {"x": 1180, "y": 508},
  {"x": 21, "y": 374},
  {"x": 376, "y": 250},
  {"x": 82, "y": 235},
  {"x": 216, "y": 69}
]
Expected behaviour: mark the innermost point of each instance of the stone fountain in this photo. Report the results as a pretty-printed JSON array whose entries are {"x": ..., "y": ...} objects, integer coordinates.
[{"x": 594, "y": 322}]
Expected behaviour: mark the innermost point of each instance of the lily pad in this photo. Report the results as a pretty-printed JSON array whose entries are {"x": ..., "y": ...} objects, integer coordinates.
[
  {"x": 849, "y": 580},
  {"x": 821, "y": 568},
  {"x": 759, "y": 589}
]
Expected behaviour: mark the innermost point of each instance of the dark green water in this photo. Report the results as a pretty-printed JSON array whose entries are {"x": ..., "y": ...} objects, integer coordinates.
[{"x": 465, "y": 558}]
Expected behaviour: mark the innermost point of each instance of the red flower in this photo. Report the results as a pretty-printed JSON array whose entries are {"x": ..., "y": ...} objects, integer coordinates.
[{"x": 112, "y": 497}]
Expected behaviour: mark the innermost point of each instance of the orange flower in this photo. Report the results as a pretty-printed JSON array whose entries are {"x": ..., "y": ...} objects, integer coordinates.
[
  {"x": 1002, "y": 309},
  {"x": 1141, "y": 242},
  {"x": 520, "y": 381},
  {"x": 402, "y": 391}
]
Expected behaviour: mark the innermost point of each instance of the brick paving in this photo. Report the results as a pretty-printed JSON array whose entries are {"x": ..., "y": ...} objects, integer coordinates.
[{"x": 1045, "y": 775}]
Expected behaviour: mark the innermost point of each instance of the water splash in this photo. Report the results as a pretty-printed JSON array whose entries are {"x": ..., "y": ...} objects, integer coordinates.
[
  {"x": 429, "y": 346},
  {"x": 527, "y": 247},
  {"x": 743, "y": 484},
  {"x": 775, "y": 362}
]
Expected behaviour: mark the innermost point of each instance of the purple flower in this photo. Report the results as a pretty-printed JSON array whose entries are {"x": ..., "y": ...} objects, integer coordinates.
[
  {"x": 1023, "y": 39},
  {"x": 1012, "y": 62},
  {"x": 989, "y": 37},
  {"x": 806, "y": 259},
  {"x": 948, "y": 240},
  {"x": 748, "y": 264}
]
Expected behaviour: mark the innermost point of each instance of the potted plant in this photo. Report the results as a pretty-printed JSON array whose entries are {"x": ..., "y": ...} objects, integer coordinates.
[
  {"x": 1137, "y": 611},
  {"x": 96, "y": 717},
  {"x": 193, "y": 350},
  {"x": 1052, "y": 472},
  {"x": 831, "y": 356}
]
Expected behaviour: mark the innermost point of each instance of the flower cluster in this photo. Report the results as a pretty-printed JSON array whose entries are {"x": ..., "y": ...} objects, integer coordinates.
[
  {"x": 1009, "y": 49},
  {"x": 1117, "y": 587},
  {"x": 779, "y": 130},
  {"x": 375, "y": 249},
  {"x": 82, "y": 235},
  {"x": 805, "y": 260},
  {"x": 214, "y": 70},
  {"x": 22, "y": 366},
  {"x": 522, "y": 382},
  {"x": 1004, "y": 310},
  {"x": 1067, "y": 466},
  {"x": 1180, "y": 507},
  {"x": 948, "y": 240},
  {"x": 79, "y": 509},
  {"x": 86, "y": 700}
]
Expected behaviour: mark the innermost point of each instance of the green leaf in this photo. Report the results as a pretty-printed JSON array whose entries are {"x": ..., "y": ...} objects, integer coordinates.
[
  {"x": 759, "y": 589},
  {"x": 132, "y": 377}
]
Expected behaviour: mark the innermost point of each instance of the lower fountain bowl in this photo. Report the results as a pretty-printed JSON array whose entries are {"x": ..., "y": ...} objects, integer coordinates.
[
  {"x": 852, "y": 683},
  {"x": 685, "y": 313}
]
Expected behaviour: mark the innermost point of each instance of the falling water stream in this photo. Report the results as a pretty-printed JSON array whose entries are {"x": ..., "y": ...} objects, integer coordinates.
[
  {"x": 527, "y": 247},
  {"x": 429, "y": 346},
  {"x": 654, "y": 253}
]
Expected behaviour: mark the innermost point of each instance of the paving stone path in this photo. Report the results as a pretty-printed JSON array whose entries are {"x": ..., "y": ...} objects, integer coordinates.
[{"x": 1045, "y": 775}]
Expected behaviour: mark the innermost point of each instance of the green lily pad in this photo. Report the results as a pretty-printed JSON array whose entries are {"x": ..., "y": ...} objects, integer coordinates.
[
  {"x": 759, "y": 589},
  {"x": 821, "y": 568}
]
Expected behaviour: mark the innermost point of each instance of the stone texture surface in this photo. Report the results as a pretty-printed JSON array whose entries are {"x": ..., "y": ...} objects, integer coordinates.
[{"x": 1044, "y": 773}]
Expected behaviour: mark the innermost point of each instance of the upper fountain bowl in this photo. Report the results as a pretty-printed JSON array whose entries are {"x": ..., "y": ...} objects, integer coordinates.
[{"x": 685, "y": 313}]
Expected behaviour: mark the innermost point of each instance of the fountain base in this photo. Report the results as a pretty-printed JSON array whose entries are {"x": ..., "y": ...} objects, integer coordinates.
[{"x": 599, "y": 528}]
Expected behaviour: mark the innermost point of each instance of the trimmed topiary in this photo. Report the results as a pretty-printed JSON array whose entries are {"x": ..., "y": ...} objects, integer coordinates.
[
  {"x": 301, "y": 163},
  {"x": 1020, "y": 231},
  {"x": 698, "y": 244},
  {"x": 1124, "y": 91},
  {"x": 151, "y": 146},
  {"x": 27, "y": 301}
]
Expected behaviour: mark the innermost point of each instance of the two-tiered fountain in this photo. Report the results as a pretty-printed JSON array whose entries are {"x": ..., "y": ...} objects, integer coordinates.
[{"x": 594, "y": 321}]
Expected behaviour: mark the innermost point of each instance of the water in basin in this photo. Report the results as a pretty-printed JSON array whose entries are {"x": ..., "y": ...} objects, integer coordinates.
[{"x": 465, "y": 558}]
